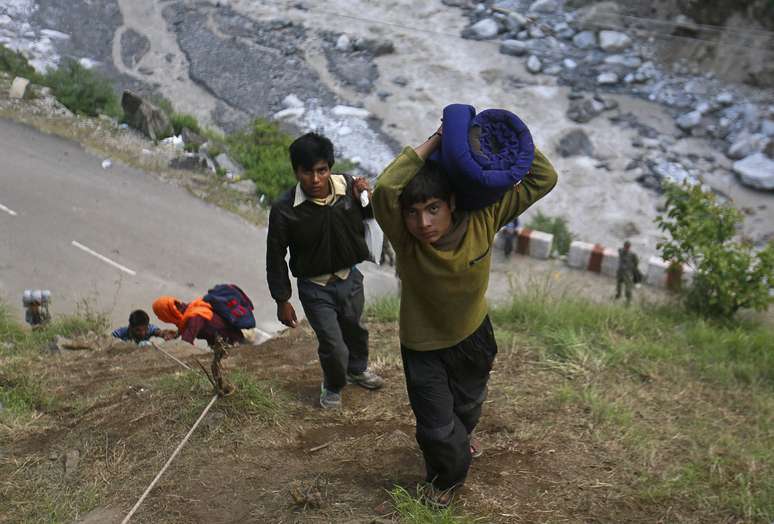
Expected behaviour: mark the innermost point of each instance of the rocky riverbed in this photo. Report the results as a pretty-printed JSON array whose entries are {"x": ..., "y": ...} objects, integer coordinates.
[{"x": 591, "y": 85}]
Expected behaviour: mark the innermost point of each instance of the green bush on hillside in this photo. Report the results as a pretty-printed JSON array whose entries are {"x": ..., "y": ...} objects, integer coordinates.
[
  {"x": 556, "y": 226},
  {"x": 263, "y": 152},
  {"x": 183, "y": 120},
  {"x": 16, "y": 64},
  {"x": 729, "y": 274},
  {"x": 82, "y": 90}
]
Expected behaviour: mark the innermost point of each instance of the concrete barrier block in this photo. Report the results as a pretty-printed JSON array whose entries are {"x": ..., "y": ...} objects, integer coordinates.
[
  {"x": 535, "y": 244},
  {"x": 659, "y": 274},
  {"x": 18, "y": 87},
  {"x": 579, "y": 254},
  {"x": 609, "y": 266}
]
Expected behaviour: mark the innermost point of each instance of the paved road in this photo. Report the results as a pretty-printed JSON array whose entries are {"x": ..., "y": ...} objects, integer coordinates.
[{"x": 164, "y": 240}]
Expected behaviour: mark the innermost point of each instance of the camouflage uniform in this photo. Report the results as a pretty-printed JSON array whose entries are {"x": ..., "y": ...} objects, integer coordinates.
[{"x": 627, "y": 268}]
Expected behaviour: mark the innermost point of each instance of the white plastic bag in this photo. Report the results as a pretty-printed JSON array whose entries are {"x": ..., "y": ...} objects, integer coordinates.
[{"x": 373, "y": 233}]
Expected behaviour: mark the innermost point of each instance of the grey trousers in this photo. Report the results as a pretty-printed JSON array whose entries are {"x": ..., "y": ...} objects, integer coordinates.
[{"x": 334, "y": 313}]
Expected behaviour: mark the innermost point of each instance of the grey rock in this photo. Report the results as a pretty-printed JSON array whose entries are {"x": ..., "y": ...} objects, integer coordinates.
[
  {"x": 585, "y": 40},
  {"x": 189, "y": 162},
  {"x": 192, "y": 137},
  {"x": 553, "y": 69},
  {"x": 144, "y": 116},
  {"x": 575, "y": 143},
  {"x": 584, "y": 110},
  {"x": 600, "y": 15},
  {"x": 688, "y": 121},
  {"x": 614, "y": 41},
  {"x": 685, "y": 27},
  {"x": 485, "y": 29},
  {"x": 671, "y": 171},
  {"x": 725, "y": 99},
  {"x": 18, "y": 87},
  {"x": 646, "y": 71},
  {"x": 569, "y": 63},
  {"x": 224, "y": 162},
  {"x": 745, "y": 145},
  {"x": 564, "y": 31},
  {"x": 375, "y": 46},
  {"x": 534, "y": 65},
  {"x": 134, "y": 46},
  {"x": 607, "y": 78},
  {"x": 400, "y": 81},
  {"x": 344, "y": 44},
  {"x": 624, "y": 60},
  {"x": 246, "y": 186},
  {"x": 456, "y": 3},
  {"x": 515, "y": 22},
  {"x": 513, "y": 47},
  {"x": 767, "y": 128},
  {"x": 756, "y": 171},
  {"x": 535, "y": 31},
  {"x": 523, "y": 35},
  {"x": 544, "y": 6}
]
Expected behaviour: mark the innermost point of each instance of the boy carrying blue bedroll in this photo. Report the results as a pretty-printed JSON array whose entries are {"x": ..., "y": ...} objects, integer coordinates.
[{"x": 443, "y": 256}]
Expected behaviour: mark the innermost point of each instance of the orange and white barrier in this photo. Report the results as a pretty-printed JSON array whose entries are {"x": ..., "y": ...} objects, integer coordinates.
[
  {"x": 535, "y": 244},
  {"x": 670, "y": 276},
  {"x": 593, "y": 257}
]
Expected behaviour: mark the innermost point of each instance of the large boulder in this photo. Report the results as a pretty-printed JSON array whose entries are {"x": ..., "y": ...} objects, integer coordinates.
[
  {"x": 756, "y": 171},
  {"x": 614, "y": 41},
  {"x": 575, "y": 143},
  {"x": 144, "y": 116}
]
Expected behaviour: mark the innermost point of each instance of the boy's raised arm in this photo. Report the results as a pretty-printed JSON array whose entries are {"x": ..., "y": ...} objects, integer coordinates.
[
  {"x": 540, "y": 180},
  {"x": 391, "y": 182}
]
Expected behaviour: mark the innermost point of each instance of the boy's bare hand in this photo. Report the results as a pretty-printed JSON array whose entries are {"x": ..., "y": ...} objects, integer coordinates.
[
  {"x": 286, "y": 314},
  {"x": 168, "y": 334},
  {"x": 359, "y": 185}
]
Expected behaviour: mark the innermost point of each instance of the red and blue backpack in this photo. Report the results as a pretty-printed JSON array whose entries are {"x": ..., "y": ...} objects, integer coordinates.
[{"x": 232, "y": 305}]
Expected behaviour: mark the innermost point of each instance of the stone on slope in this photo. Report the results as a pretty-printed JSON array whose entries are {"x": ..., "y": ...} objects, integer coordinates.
[
  {"x": 513, "y": 48},
  {"x": 688, "y": 121},
  {"x": 482, "y": 30},
  {"x": 534, "y": 65},
  {"x": 144, "y": 116},
  {"x": 756, "y": 171},
  {"x": 575, "y": 143},
  {"x": 585, "y": 40},
  {"x": 544, "y": 6},
  {"x": 614, "y": 41}
]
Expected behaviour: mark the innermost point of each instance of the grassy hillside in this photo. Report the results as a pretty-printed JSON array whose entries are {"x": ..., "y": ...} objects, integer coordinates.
[{"x": 595, "y": 413}]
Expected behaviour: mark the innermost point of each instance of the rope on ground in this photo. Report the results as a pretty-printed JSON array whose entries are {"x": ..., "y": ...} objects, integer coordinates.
[
  {"x": 169, "y": 461},
  {"x": 186, "y": 366}
]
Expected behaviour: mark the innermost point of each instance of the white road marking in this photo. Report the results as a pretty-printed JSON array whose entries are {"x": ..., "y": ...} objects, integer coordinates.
[
  {"x": 8, "y": 210},
  {"x": 104, "y": 258}
]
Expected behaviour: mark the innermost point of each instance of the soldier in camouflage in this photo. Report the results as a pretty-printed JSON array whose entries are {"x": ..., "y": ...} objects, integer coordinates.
[{"x": 628, "y": 272}]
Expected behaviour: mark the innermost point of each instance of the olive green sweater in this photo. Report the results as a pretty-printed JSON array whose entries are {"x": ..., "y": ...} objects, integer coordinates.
[{"x": 442, "y": 292}]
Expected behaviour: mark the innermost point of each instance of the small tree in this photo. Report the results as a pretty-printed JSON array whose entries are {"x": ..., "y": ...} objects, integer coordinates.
[
  {"x": 558, "y": 227},
  {"x": 729, "y": 274}
]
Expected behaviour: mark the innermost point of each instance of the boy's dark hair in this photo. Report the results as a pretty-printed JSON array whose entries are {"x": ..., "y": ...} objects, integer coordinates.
[
  {"x": 429, "y": 182},
  {"x": 308, "y": 149},
  {"x": 138, "y": 318}
]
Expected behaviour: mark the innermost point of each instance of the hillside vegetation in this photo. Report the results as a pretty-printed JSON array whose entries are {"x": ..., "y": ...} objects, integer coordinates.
[{"x": 595, "y": 413}]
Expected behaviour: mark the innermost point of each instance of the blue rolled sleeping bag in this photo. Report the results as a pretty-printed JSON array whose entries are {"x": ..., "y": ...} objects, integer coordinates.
[{"x": 484, "y": 154}]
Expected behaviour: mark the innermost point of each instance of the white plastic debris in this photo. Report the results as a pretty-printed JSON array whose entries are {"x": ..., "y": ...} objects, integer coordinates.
[
  {"x": 356, "y": 112},
  {"x": 107, "y": 163},
  {"x": 176, "y": 141}
]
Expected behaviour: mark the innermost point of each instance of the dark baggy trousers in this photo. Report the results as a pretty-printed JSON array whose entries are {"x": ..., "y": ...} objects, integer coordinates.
[
  {"x": 446, "y": 388},
  {"x": 334, "y": 313}
]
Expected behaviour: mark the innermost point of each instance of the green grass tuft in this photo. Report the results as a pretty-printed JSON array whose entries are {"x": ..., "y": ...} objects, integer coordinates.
[
  {"x": 411, "y": 510},
  {"x": 15, "y": 63},
  {"x": 556, "y": 226},
  {"x": 386, "y": 308}
]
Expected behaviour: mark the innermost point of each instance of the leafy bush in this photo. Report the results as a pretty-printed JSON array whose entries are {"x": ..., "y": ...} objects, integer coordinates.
[
  {"x": 729, "y": 274},
  {"x": 181, "y": 120},
  {"x": 82, "y": 90},
  {"x": 556, "y": 226},
  {"x": 16, "y": 64},
  {"x": 263, "y": 152}
]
